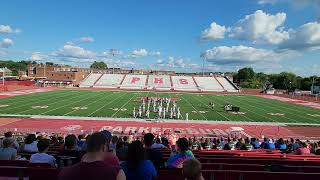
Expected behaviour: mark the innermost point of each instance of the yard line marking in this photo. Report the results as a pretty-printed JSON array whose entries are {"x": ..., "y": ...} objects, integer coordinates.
[
  {"x": 215, "y": 111},
  {"x": 241, "y": 114},
  {"x": 286, "y": 112},
  {"x": 90, "y": 103},
  {"x": 124, "y": 105},
  {"x": 75, "y": 97},
  {"x": 194, "y": 107},
  {"x": 33, "y": 102},
  {"x": 257, "y": 107},
  {"x": 27, "y": 98},
  {"x": 106, "y": 104},
  {"x": 74, "y": 102},
  {"x": 239, "y": 102}
]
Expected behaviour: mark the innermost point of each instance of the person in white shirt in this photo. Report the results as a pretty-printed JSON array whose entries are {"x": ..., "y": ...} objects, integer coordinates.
[
  {"x": 30, "y": 144},
  {"x": 42, "y": 156}
]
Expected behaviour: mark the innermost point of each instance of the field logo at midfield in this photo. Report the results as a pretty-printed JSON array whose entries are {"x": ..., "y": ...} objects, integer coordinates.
[
  {"x": 276, "y": 114},
  {"x": 4, "y": 105},
  {"x": 39, "y": 107},
  {"x": 79, "y": 108},
  {"x": 314, "y": 115},
  {"x": 70, "y": 127}
]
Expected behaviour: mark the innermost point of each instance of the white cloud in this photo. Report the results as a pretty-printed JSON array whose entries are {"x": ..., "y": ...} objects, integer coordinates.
[
  {"x": 6, "y": 43},
  {"x": 215, "y": 31},
  {"x": 37, "y": 56},
  {"x": 306, "y": 37},
  {"x": 139, "y": 53},
  {"x": 267, "y": 1},
  {"x": 112, "y": 53},
  {"x": 155, "y": 53},
  {"x": 86, "y": 39},
  {"x": 8, "y": 29},
  {"x": 244, "y": 55},
  {"x": 72, "y": 51},
  {"x": 80, "y": 41},
  {"x": 261, "y": 27}
]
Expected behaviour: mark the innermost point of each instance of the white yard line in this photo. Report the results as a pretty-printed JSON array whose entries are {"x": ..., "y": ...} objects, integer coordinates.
[
  {"x": 32, "y": 102},
  {"x": 221, "y": 113},
  {"x": 105, "y": 105},
  {"x": 123, "y": 106},
  {"x": 194, "y": 108},
  {"x": 257, "y": 107},
  {"x": 288, "y": 109},
  {"x": 89, "y": 104},
  {"x": 74, "y": 102}
]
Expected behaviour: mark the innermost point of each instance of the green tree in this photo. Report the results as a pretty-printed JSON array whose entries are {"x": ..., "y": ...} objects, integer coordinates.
[
  {"x": 99, "y": 65},
  {"x": 245, "y": 74}
]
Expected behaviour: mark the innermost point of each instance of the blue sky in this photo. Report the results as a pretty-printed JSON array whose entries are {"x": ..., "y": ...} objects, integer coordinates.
[{"x": 268, "y": 35}]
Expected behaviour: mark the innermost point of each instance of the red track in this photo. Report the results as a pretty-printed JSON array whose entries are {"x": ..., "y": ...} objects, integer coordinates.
[{"x": 186, "y": 129}]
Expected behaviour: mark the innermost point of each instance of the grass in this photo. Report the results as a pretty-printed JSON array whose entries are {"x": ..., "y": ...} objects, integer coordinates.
[{"x": 100, "y": 104}]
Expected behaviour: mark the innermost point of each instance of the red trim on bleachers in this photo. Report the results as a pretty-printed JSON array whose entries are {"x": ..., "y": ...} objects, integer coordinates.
[
  {"x": 171, "y": 83},
  {"x": 219, "y": 82},
  {"x": 98, "y": 79},
  {"x": 147, "y": 81},
  {"x": 122, "y": 80},
  {"x": 195, "y": 82}
]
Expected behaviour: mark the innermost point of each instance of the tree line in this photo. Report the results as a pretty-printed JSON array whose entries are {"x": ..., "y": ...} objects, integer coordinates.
[{"x": 248, "y": 78}]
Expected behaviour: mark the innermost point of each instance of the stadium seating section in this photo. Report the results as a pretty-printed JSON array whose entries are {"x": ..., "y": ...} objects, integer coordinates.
[
  {"x": 216, "y": 164},
  {"x": 160, "y": 82}
]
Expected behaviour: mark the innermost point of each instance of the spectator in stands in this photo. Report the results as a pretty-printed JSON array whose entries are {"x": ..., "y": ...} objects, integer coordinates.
[
  {"x": 296, "y": 145},
  {"x": 281, "y": 145},
  {"x": 71, "y": 149},
  {"x": 255, "y": 143},
  {"x": 151, "y": 154},
  {"x": 84, "y": 145},
  {"x": 246, "y": 146},
  {"x": 122, "y": 150},
  {"x": 183, "y": 154},
  {"x": 93, "y": 166},
  {"x": 267, "y": 144},
  {"x": 8, "y": 135},
  {"x": 81, "y": 141},
  {"x": 7, "y": 152},
  {"x": 136, "y": 167},
  {"x": 231, "y": 144},
  {"x": 42, "y": 156},
  {"x": 110, "y": 158},
  {"x": 30, "y": 144},
  {"x": 158, "y": 144},
  {"x": 240, "y": 143},
  {"x": 303, "y": 150},
  {"x": 191, "y": 170},
  {"x": 113, "y": 143}
]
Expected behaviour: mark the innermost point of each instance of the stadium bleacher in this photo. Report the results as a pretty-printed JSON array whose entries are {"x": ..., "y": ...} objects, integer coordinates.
[
  {"x": 227, "y": 86},
  {"x": 134, "y": 82},
  {"x": 184, "y": 83},
  {"x": 159, "y": 82},
  {"x": 208, "y": 84},
  {"x": 109, "y": 81},
  {"x": 90, "y": 80}
]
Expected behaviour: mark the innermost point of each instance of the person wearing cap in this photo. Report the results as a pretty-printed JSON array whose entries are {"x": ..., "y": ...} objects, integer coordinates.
[{"x": 7, "y": 152}]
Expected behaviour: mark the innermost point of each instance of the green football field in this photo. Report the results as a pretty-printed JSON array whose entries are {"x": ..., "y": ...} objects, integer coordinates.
[{"x": 114, "y": 104}]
